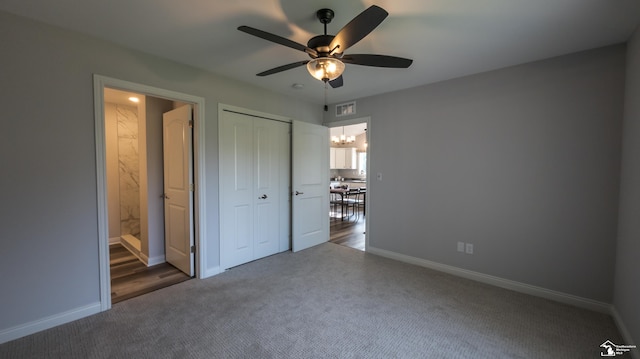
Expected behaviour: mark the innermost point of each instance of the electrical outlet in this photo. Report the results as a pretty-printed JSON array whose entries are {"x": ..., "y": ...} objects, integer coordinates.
[
  {"x": 469, "y": 248},
  {"x": 461, "y": 247}
]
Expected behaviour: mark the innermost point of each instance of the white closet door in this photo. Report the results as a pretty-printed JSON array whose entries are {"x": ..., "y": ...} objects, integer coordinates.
[
  {"x": 253, "y": 165},
  {"x": 236, "y": 189},
  {"x": 267, "y": 162}
]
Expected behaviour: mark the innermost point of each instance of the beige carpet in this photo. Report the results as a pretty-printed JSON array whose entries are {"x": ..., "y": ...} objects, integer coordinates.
[{"x": 327, "y": 302}]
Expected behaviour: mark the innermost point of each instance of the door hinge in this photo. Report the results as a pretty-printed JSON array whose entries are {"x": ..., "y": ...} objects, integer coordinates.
[
  {"x": 191, "y": 123},
  {"x": 192, "y": 187},
  {"x": 193, "y": 249}
]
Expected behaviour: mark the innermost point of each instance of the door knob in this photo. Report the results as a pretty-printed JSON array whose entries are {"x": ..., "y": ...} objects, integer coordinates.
[
  {"x": 299, "y": 193},
  {"x": 264, "y": 196},
  {"x": 164, "y": 195}
]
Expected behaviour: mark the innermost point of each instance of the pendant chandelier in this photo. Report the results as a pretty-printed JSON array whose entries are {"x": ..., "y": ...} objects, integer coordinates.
[{"x": 343, "y": 140}]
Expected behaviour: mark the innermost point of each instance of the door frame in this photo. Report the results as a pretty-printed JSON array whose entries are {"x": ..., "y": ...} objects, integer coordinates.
[
  {"x": 200, "y": 230},
  {"x": 354, "y": 121}
]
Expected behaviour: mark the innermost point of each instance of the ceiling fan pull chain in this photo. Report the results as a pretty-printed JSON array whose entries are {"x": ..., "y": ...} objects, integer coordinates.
[{"x": 326, "y": 87}]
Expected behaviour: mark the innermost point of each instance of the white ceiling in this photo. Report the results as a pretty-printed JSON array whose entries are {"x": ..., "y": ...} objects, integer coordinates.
[
  {"x": 120, "y": 97},
  {"x": 445, "y": 38}
]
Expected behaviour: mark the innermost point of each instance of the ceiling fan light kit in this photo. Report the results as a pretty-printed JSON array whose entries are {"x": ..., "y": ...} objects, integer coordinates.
[
  {"x": 325, "y": 68},
  {"x": 326, "y": 51}
]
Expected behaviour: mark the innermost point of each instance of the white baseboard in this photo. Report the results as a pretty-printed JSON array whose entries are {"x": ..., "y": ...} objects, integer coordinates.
[
  {"x": 22, "y": 330},
  {"x": 132, "y": 244},
  {"x": 626, "y": 336},
  {"x": 210, "y": 272},
  {"x": 499, "y": 282},
  {"x": 114, "y": 240},
  {"x": 152, "y": 261}
]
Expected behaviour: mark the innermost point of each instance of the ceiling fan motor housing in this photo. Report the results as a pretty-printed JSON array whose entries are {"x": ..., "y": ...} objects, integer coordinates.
[
  {"x": 325, "y": 15},
  {"x": 321, "y": 44}
]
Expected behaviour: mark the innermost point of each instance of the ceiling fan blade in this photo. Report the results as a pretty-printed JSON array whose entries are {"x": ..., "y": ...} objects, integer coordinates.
[
  {"x": 337, "y": 82},
  {"x": 283, "y": 68},
  {"x": 277, "y": 39},
  {"x": 358, "y": 28},
  {"x": 377, "y": 60}
]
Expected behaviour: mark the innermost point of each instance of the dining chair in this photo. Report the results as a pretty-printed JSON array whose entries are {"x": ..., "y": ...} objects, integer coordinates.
[
  {"x": 335, "y": 202},
  {"x": 361, "y": 202},
  {"x": 351, "y": 203}
]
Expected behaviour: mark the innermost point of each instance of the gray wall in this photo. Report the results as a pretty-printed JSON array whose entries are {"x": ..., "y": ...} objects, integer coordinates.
[
  {"x": 522, "y": 162},
  {"x": 153, "y": 228},
  {"x": 48, "y": 214},
  {"x": 627, "y": 279}
]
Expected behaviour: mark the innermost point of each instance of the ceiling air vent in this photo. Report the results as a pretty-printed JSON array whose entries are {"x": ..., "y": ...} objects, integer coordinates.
[{"x": 346, "y": 109}]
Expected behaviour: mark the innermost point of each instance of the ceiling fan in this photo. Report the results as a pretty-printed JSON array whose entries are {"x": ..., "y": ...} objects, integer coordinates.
[{"x": 327, "y": 51}]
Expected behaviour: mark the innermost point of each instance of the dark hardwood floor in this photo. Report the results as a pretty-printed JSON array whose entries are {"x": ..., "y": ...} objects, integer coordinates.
[
  {"x": 348, "y": 233},
  {"x": 131, "y": 278}
]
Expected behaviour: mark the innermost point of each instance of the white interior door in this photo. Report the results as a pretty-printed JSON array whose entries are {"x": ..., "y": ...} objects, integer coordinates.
[
  {"x": 254, "y": 183},
  {"x": 178, "y": 195},
  {"x": 267, "y": 162},
  {"x": 310, "y": 161},
  {"x": 236, "y": 189}
]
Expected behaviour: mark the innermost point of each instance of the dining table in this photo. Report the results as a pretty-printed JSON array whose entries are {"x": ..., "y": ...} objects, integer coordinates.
[{"x": 344, "y": 194}]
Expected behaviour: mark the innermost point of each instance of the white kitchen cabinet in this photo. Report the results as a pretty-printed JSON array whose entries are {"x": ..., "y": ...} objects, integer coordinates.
[
  {"x": 332, "y": 157},
  {"x": 343, "y": 158},
  {"x": 350, "y": 158},
  {"x": 340, "y": 158}
]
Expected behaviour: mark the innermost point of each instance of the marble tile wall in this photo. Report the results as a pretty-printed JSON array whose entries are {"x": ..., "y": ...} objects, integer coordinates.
[{"x": 129, "y": 170}]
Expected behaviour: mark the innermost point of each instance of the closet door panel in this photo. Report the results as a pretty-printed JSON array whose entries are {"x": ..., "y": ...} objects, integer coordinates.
[
  {"x": 267, "y": 164},
  {"x": 236, "y": 177}
]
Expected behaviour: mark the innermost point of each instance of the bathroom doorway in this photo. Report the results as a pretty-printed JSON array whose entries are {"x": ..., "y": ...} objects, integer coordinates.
[{"x": 134, "y": 176}]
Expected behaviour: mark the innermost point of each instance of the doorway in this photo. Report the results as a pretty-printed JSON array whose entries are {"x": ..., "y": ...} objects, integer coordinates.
[
  {"x": 139, "y": 175},
  {"x": 153, "y": 225},
  {"x": 349, "y": 149}
]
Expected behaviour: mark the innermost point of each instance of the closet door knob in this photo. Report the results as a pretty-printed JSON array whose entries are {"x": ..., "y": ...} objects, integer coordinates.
[
  {"x": 264, "y": 196},
  {"x": 299, "y": 193}
]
